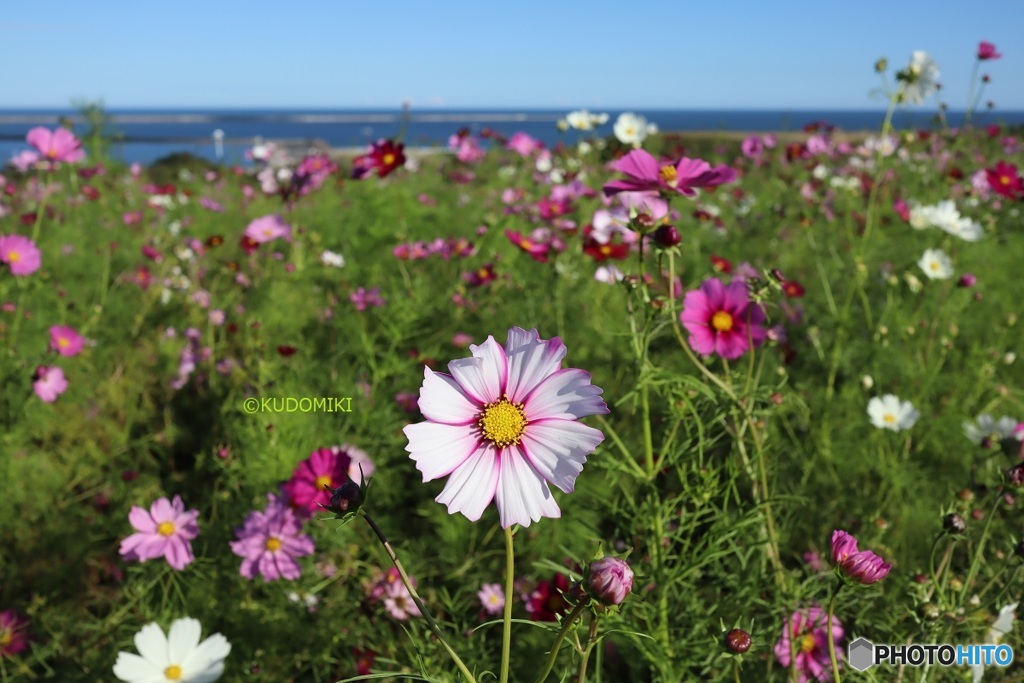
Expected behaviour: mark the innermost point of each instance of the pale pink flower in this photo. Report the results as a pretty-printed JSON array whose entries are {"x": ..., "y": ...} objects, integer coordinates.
[
  {"x": 20, "y": 254},
  {"x": 57, "y": 145},
  {"x": 165, "y": 530},
  {"x": 492, "y": 598},
  {"x": 269, "y": 542},
  {"x": 503, "y": 425},
  {"x": 268, "y": 228},
  {"x": 49, "y": 383}
]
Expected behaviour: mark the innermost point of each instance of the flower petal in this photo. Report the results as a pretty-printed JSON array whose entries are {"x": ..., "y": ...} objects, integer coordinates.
[
  {"x": 134, "y": 669},
  {"x": 141, "y": 520},
  {"x": 523, "y": 497},
  {"x": 530, "y": 361},
  {"x": 483, "y": 376},
  {"x": 152, "y": 645},
  {"x": 557, "y": 449},
  {"x": 470, "y": 488},
  {"x": 182, "y": 639},
  {"x": 443, "y": 400},
  {"x": 438, "y": 449},
  {"x": 639, "y": 164},
  {"x": 566, "y": 394},
  {"x": 209, "y": 652}
]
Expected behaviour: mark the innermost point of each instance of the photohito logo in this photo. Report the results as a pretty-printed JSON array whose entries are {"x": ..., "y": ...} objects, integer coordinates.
[{"x": 862, "y": 654}]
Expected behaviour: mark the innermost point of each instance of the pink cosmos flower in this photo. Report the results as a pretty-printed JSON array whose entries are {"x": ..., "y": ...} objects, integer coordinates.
[
  {"x": 503, "y": 425},
  {"x": 20, "y": 254},
  {"x": 164, "y": 531},
  {"x": 722, "y": 319},
  {"x": 363, "y": 298},
  {"x": 752, "y": 147},
  {"x": 492, "y": 597},
  {"x": 270, "y": 541},
  {"x": 987, "y": 51},
  {"x": 268, "y": 228},
  {"x": 25, "y": 160},
  {"x": 325, "y": 467},
  {"x": 807, "y": 629},
  {"x": 56, "y": 146},
  {"x": 389, "y": 589},
  {"x": 523, "y": 144},
  {"x": 66, "y": 341},
  {"x": 644, "y": 172},
  {"x": 13, "y": 633},
  {"x": 862, "y": 566},
  {"x": 49, "y": 383}
]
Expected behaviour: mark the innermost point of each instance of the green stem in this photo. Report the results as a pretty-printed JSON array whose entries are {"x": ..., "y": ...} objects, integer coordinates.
[
  {"x": 416, "y": 598},
  {"x": 588, "y": 646},
  {"x": 566, "y": 625},
  {"x": 506, "y": 637},
  {"x": 828, "y": 635}
]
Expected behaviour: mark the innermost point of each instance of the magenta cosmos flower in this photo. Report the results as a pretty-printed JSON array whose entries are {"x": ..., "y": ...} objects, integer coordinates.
[
  {"x": 269, "y": 541},
  {"x": 55, "y": 146},
  {"x": 987, "y": 51},
  {"x": 503, "y": 425},
  {"x": 862, "y": 566},
  {"x": 722, "y": 319},
  {"x": 20, "y": 254},
  {"x": 806, "y": 631},
  {"x": 267, "y": 229},
  {"x": 164, "y": 531},
  {"x": 325, "y": 467},
  {"x": 66, "y": 341},
  {"x": 644, "y": 172},
  {"x": 13, "y": 633},
  {"x": 49, "y": 383}
]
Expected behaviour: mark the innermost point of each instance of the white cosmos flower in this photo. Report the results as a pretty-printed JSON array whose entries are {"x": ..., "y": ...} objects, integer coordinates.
[
  {"x": 608, "y": 274},
  {"x": 177, "y": 657},
  {"x": 332, "y": 259},
  {"x": 920, "y": 78},
  {"x": 965, "y": 229},
  {"x": 1003, "y": 625},
  {"x": 889, "y": 412},
  {"x": 987, "y": 427},
  {"x": 584, "y": 120},
  {"x": 921, "y": 216},
  {"x": 936, "y": 264},
  {"x": 631, "y": 129}
]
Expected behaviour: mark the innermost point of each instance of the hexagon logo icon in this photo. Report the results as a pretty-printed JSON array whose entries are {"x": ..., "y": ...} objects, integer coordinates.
[{"x": 861, "y": 654}]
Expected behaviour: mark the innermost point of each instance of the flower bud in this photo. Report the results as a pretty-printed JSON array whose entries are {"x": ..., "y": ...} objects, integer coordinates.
[
  {"x": 610, "y": 580},
  {"x": 667, "y": 236},
  {"x": 1017, "y": 475},
  {"x": 954, "y": 524},
  {"x": 737, "y": 641},
  {"x": 346, "y": 498},
  {"x": 861, "y": 566}
]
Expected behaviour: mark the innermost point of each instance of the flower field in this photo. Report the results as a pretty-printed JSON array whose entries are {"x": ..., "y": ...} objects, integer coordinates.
[{"x": 641, "y": 408}]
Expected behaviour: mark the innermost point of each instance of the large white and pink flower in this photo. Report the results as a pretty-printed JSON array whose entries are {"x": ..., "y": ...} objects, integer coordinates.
[{"x": 504, "y": 425}]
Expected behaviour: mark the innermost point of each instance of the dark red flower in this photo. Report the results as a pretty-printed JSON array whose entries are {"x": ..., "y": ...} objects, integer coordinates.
[
  {"x": 1004, "y": 179},
  {"x": 384, "y": 157},
  {"x": 793, "y": 289},
  {"x": 286, "y": 350},
  {"x": 481, "y": 276},
  {"x": 720, "y": 264},
  {"x": 603, "y": 252},
  {"x": 545, "y": 602}
]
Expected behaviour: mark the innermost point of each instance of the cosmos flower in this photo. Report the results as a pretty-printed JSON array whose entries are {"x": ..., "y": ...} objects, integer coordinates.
[
  {"x": 13, "y": 633},
  {"x": 492, "y": 597},
  {"x": 179, "y": 656},
  {"x": 49, "y": 383},
  {"x": 888, "y": 412},
  {"x": 383, "y": 157},
  {"x": 987, "y": 51},
  {"x": 861, "y": 566},
  {"x": 920, "y": 78},
  {"x": 269, "y": 541},
  {"x": 1002, "y": 627},
  {"x": 325, "y": 469},
  {"x": 584, "y": 120},
  {"x": 632, "y": 129},
  {"x": 722, "y": 319},
  {"x": 644, "y": 173},
  {"x": 1004, "y": 179},
  {"x": 56, "y": 146},
  {"x": 936, "y": 264},
  {"x": 503, "y": 426},
  {"x": 20, "y": 254},
  {"x": 66, "y": 341},
  {"x": 988, "y": 429},
  {"x": 267, "y": 229},
  {"x": 807, "y": 632},
  {"x": 523, "y": 144},
  {"x": 165, "y": 530}
]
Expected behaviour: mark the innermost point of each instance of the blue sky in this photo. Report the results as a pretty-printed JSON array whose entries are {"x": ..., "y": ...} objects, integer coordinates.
[{"x": 705, "y": 54}]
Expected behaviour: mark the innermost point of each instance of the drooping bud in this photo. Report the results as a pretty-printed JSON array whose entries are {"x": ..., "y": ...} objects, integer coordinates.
[
  {"x": 346, "y": 498},
  {"x": 954, "y": 524}
]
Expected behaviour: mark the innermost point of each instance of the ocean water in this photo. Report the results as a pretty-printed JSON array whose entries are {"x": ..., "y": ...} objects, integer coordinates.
[{"x": 153, "y": 133}]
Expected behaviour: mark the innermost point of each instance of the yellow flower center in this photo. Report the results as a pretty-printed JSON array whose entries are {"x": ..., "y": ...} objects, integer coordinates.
[
  {"x": 322, "y": 481},
  {"x": 482, "y": 274},
  {"x": 721, "y": 321},
  {"x": 388, "y": 159},
  {"x": 935, "y": 265},
  {"x": 52, "y": 153},
  {"x": 807, "y": 642},
  {"x": 888, "y": 418},
  {"x": 63, "y": 343},
  {"x": 267, "y": 232},
  {"x": 6, "y": 637},
  {"x": 1004, "y": 180},
  {"x": 502, "y": 423},
  {"x": 165, "y": 528},
  {"x": 173, "y": 673},
  {"x": 273, "y": 544},
  {"x": 13, "y": 256},
  {"x": 669, "y": 174},
  {"x": 525, "y": 244}
]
